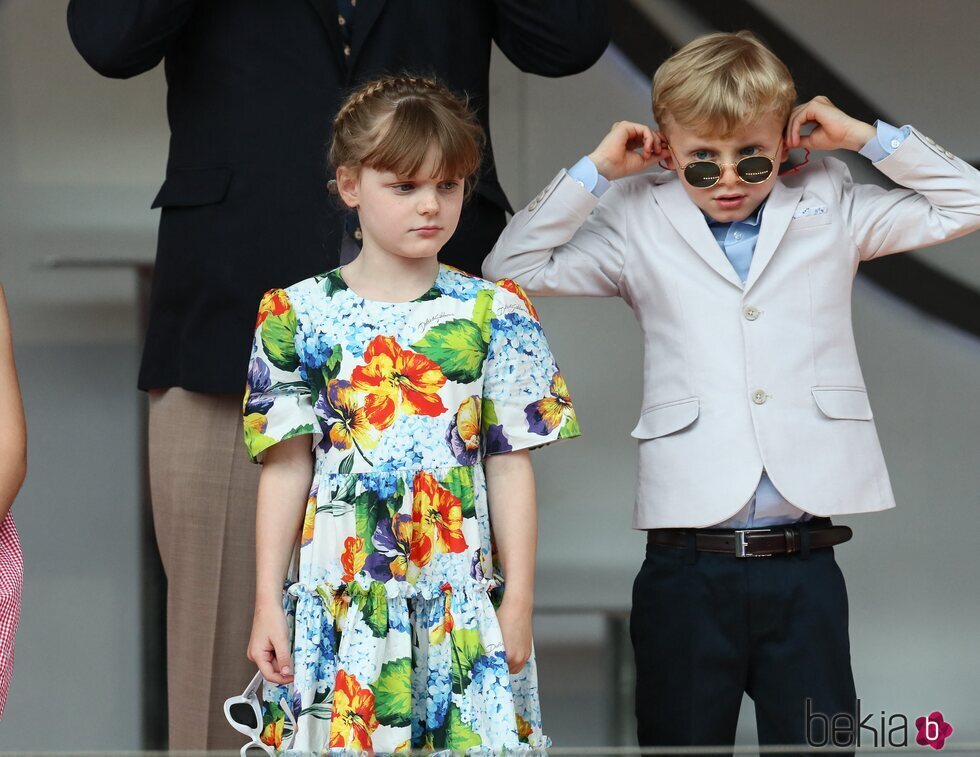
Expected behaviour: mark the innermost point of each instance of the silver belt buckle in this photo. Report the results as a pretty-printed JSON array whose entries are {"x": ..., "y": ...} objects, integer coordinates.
[{"x": 742, "y": 542}]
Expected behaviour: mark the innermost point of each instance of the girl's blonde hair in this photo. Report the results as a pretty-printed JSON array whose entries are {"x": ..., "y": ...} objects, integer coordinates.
[
  {"x": 721, "y": 82},
  {"x": 390, "y": 124}
]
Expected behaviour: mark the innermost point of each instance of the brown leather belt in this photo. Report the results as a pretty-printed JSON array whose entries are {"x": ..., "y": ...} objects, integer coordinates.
[{"x": 753, "y": 542}]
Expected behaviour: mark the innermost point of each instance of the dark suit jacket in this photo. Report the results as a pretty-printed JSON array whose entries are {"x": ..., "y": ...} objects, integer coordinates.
[{"x": 253, "y": 86}]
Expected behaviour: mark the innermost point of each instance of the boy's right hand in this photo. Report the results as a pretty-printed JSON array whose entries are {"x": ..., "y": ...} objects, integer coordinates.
[
  {"x": 628, "y": 148},
  {"x": 268, "y": 647}
]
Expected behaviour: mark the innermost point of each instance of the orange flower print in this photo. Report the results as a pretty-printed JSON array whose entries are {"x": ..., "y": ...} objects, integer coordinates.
[
  {"x": 435, "y": 512},
  {"x": 257, "y": 423},
  {"x": 439, "y": 632},
  {"x": 547, "y": 414},
  {"x": 353, "y": 557},
  {"x": 512, "y": 286},
  {"x": 337, "y": 603},
  {"x": 272, "y": 733},
  {"x": 274, "y": 302},
  {"x": 463, "y": 434},
  {"x": 309, "y": 519},
  {"x": 524, "y": 730},
  {"x": 397, "y": 380},
  {"x": 340, "y": 405},
  {"x": 353, "y": 719}
]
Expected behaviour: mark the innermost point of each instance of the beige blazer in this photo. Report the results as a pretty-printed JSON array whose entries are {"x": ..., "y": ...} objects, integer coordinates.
[{"x": 737, "y": 377}]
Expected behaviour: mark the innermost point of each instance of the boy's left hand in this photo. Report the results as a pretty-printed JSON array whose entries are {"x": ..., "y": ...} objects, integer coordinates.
[
  {"x": 515, "y": 626},
  {"x": 834, "y": 128}
]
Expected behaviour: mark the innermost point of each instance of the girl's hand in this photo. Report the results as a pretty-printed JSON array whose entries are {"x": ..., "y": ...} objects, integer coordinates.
[
  {"x": 628, "y": 148},
  {"x": 515, "y": 625},
  {"x": 834, "y": 128},
  {"x": 269, "y": 646}
]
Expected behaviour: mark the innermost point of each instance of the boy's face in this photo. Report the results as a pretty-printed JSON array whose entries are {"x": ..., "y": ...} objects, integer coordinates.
[{"x": 731, "y": 199}]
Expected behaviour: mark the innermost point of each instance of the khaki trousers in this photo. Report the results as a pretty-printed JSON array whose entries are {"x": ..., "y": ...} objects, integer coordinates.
[{"x": 203, "y": 491}]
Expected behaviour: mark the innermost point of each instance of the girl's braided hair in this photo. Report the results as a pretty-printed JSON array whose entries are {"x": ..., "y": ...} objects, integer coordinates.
[{"x": 391, "y": 123}]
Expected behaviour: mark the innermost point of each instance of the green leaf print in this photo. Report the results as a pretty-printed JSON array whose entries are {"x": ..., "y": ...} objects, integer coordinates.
[
  {"x": 374, "y": 610},
  {"x": 460, "y": 483},
  {"x": 255, "y": 440},
  {"x": 332, "y": 282},
  {"x": 321, "y": 375},
  {"x": 341, "y": 494},
  {"x": 331, "y": 366},
  {"x": 467, "y": 648},
  {"x": 569, "y": 428},
  {"x": 347, "y": 464},
  {"x": 483, "y": 312},
  {"x": 459, "y": 736},
  {"x": 395, "y": 501},
  {"x": 366, "y": 511},
  {"x": 393, "y": 693},
  {"x": 488, "y": 415},
  {"x": 277, "y": 340},
  {"x": 457, "y": 347},
  {"x": 299, "y": 431},
  {"x": 434, "y": 293}
]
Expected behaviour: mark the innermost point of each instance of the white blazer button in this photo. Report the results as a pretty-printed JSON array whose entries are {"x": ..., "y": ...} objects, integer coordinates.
[
  {"x": 930, "y": 140},
  {"x": 751, "y": 313},
  {"x": 759, "y": 397},
  {"x": 949, "y": 154},
  {"x": 895, "y": 144},
  {"x": 532, "y": 205}
]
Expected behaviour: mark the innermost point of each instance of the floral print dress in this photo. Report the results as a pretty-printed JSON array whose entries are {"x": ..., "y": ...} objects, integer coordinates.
[{"x": 396, "y": 644}]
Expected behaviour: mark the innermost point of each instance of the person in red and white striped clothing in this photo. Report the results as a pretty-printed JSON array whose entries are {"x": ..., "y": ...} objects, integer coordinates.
[{"x": 13, "y": 468}]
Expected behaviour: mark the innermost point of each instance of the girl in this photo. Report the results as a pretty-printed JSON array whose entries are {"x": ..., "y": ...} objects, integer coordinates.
[{"x": 393, "y": 402}]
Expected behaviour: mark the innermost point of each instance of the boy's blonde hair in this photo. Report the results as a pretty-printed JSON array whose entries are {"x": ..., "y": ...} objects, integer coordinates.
[
  {"x": 390, "y": 123},
  {"x": 720, "y": 82}
]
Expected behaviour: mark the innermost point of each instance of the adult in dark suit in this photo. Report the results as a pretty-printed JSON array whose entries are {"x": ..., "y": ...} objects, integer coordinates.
[{"x": 253, "y": 87}]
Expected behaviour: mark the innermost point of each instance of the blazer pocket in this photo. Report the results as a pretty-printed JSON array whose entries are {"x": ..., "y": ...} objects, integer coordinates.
[
  {"x": 189, "y": 187},
  {"x": 809, "y": 222},
  {"x": 661, "y": 420},
  {"x": 843, "y": 402}
]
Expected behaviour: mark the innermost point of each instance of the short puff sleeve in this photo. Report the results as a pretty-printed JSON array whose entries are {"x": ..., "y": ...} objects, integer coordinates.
[
  {"x": 525, "y": 400},
  {"x": 277, "y": 403}
]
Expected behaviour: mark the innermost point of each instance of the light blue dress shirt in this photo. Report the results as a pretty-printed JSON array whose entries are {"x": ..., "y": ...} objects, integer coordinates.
[{"x": 766, "y": 507}]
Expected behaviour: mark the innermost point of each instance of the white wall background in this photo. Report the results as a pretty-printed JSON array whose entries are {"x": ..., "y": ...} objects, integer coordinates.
[{"x": 80, "y": 159}]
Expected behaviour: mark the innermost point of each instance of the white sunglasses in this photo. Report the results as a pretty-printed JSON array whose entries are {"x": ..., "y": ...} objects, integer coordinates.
[{"x": 244, "y": 713}]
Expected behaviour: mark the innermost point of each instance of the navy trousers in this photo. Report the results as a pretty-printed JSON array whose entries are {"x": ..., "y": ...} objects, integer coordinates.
[{"x": 708, "y": 627}]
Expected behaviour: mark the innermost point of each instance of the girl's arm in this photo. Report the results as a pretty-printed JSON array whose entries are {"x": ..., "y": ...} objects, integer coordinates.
[
  {"x": 284, "y": 487},
  {"x": 13, "y": 440},
  {"x": 513, "y": 513}
]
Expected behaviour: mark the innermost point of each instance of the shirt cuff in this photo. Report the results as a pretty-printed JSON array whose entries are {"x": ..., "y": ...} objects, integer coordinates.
[
  {"x": 588, "y": 176},
  {"x": 885, "y": 142}
]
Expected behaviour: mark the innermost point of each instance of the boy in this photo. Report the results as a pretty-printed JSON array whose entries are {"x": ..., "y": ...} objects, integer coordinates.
[{"x": 756, "y": 424}]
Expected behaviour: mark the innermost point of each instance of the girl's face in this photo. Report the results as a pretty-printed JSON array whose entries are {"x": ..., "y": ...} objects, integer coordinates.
[{"x": 405, "y": 216}]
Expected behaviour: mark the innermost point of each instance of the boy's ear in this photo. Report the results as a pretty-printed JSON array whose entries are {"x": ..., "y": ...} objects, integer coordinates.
[
  {"x": 347, "y": 186},
  {"x": 784, "y": 153}
]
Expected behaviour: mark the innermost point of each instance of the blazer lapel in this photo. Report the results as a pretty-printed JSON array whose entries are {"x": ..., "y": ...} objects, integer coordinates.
[
  {"x": 689, "y": 222},
  {"x": 776, "y": 216},
  {"x": 367, "y": 13},
  {"x": 327, "y": 11}
]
